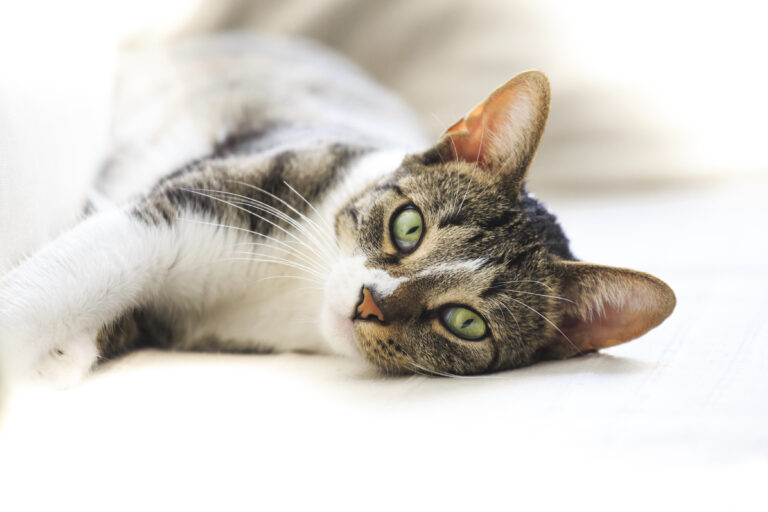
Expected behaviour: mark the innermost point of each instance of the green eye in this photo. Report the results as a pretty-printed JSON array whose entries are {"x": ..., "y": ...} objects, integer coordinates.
[
  {"x": 464, "y": 323},
  {"x": 407, "y": 228}
]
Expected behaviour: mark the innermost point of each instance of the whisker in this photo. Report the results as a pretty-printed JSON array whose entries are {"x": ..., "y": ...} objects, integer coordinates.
[
  {"x": 262, "y": 206},
  {"x": 458, "y": 177},
  {"x": 456, "y": 188},
  {"x": 440, "y": 124},
  {"x": 269, "y": 246},
  {"x": 430, "y": 372},
  {"x": 324, "y": 250},
  {"x": 549, "y": 321},
  {"x": 543, "y": 295},
  {"x": 316, "y": 276},
  {"x": 312, "y": 223},
  {"x": 251, "y": 232},
  {"x": 477, "y": 159},
  {"x": 513, "y": 318},
  {"x": 322, "y": 219},
  {"x": 265, "y": 260},
  {"x": 498, "y": 285},
  {"x": 303, "y": 278},
  {"x": 439, "y": 373},
  {"x": 418, "y": 371},
  {"x": 309, "y": 247},
  {"x": 276, "y": 259}
]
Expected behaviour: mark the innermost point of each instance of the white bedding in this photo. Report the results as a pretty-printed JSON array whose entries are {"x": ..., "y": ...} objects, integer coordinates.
[{"x": 675, "y": 419}]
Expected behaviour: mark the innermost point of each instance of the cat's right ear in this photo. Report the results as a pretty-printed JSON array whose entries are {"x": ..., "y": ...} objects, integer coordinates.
[
  {"x": 501, "y": 133},
  {"x": 604, "y": 306}
]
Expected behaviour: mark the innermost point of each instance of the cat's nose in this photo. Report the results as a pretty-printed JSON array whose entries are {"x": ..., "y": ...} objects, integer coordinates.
[{"x": 367, "y": 309}]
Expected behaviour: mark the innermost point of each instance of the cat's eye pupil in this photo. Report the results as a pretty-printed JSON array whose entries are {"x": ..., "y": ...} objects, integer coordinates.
[
  {"x": 407, "y": 229},
  {"x": 464, "y": 323}
]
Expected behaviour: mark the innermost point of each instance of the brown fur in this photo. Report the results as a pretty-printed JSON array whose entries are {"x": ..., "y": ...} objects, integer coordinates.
[
  {"x": 526, "y": 285},
  {"x": 486, "y": 244}
]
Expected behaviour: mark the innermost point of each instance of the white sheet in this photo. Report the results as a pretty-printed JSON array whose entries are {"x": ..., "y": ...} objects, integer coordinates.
[{"x": 675, "y": 419}]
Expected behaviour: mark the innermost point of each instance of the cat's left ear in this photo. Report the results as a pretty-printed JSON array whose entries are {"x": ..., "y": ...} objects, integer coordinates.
[
  {"x": 502, "y": 133},
  {"x": 604, "y": 306}
]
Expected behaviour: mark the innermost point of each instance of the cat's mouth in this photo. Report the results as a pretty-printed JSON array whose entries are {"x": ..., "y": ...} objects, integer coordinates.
[
  {"x": 339, "y": 332},
  {"x": 341, "y": 294},
  {"x": 353, "y": 309},
  {"x": 337, "y": 314}
]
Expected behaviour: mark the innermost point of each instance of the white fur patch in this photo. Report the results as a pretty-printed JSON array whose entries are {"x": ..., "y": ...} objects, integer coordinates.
[
  {"x": 194, "y": 273},
  {"x": 453, "y": 267},
  {"x": 343, "y": 293},
  {"x": 53, "y": 305},
  {"x": 364, "y": 173}
]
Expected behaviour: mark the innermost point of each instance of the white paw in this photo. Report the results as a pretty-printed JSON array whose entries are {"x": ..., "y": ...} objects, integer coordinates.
[
  {"x": 67, "y": 363},
  {"x": 37, "y": 358}
]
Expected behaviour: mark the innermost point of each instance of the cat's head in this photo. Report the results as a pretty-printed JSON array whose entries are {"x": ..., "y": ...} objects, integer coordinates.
[{"x": 453, "y": 268}]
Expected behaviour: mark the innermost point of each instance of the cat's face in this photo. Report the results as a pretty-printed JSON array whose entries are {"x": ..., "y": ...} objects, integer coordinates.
[
  {"x": 476, "y": 256},
  {"x": 452, "y": 268}
]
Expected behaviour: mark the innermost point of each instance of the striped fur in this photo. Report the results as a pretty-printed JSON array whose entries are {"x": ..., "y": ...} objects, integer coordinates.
[{"x": 253, "y": 184}]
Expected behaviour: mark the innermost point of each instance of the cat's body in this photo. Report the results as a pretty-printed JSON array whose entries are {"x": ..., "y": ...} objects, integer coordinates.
[
  {"x": 246, "y": 95},
  {"x": 228, "y": 114},
  {"x": 268, "y": 198}
]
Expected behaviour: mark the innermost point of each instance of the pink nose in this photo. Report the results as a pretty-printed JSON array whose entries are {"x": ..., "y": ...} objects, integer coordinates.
[{"x": 368, "y": 307}]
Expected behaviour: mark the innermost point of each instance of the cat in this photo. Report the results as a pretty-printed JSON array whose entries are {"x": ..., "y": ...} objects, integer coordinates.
[{"x": 263, "y": 194}]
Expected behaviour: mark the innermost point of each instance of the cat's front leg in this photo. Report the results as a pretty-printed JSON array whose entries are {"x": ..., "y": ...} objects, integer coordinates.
[{"x": 54, "y": 304}]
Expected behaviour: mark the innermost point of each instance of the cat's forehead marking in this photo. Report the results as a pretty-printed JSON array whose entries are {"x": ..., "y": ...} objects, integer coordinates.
[
  {"x": 377, "y": 278},
  {"x": 445, "y": 267},
  {"x": 384, "y": 283},
  {"x": 363, "y": 173}
]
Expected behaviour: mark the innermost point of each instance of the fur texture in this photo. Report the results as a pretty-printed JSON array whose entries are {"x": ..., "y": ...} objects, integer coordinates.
[{"x": 256, "y": 183}]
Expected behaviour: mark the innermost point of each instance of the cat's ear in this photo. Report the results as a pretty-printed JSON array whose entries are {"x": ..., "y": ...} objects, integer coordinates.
[
  {"x": 606, "y": 306},
  {"x": 502, "y": 133}
]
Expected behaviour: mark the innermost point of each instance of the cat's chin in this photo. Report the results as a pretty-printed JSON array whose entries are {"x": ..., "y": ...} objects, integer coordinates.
[
  {"x": 339, "y": 333},
  {"x": 341, "y": 293}
]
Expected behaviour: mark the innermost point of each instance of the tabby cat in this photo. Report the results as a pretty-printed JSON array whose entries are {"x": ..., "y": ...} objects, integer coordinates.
[{"x": 264, "y": 195}]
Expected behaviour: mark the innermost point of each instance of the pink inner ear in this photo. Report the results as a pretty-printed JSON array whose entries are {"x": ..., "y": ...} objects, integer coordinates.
[
  {"x": 467, "y": 136},
  {"x": 609, "y": 306},
  {"x": 476, "y": 135},
  {"x": 613, "y": 326},
  {"x": 503, "y": 131}
]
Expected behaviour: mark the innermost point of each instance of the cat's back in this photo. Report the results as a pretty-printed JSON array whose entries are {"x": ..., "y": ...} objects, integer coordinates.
[{"x": 241, "y": 93}]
